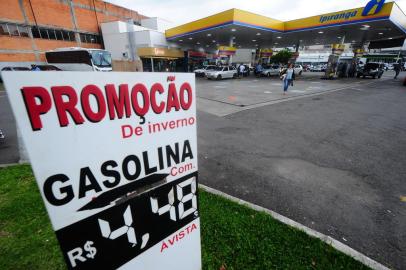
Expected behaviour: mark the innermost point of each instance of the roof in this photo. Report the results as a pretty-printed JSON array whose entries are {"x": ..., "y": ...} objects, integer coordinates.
[{"x": 248, "y": 27}]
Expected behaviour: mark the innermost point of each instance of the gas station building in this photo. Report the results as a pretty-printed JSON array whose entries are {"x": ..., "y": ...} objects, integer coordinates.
[{"x": 375, "y": 26}]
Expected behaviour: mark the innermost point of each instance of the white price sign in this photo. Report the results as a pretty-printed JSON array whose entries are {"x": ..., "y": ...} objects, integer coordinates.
[{"x": 115, "y": 159}]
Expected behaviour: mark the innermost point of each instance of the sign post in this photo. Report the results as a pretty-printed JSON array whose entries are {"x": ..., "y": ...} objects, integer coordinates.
[{"x": 115, "y": 159}]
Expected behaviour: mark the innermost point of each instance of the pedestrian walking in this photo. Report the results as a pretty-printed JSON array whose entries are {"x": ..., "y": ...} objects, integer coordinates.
[
  {"x": 241, "y": 68},
  {"x": 397, "y": 70},
  {"x": 287, "y": 77},
  {"x": 258, "y": 70}
]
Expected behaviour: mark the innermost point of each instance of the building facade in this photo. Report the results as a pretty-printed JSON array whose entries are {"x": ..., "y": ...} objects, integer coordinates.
[
  {"x": 145, "y": 45},
  {"x": 28, "y": 28}
]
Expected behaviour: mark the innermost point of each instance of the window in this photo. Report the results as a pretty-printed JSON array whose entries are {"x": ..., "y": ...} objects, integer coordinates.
[
  {"x": 89, "y": 38},
  {"x": 71, "y": 36},
  {"x": 58, "y": 34},
  {"x": 51, "y": 34},
  {"x": 65, "y": 35},
  {"x": 83, "y": 38},
  {"x": 48, "y": 33},
  {"x": 13, "y": 29},
  {"x": 23, "y": 30},
  {"x": 92, "y": 38},
  {"x": 4, "y": 29},
  {"x": 44, "y": 33},
  {"x": 35, "y": 32}
]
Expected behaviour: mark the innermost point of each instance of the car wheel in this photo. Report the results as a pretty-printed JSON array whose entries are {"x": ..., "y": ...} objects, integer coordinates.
[
  {"x": 358, "y": 75},
  {"x": 374, "y": 77},
  {"x": 300, "y": 73},
  {"x": 268, "y": 74},
  {"x": 219, "y": 77},
  {"x": 379, "y": 76},
  {"x": 363, "y": 76},
  {"x": 234, "y": 76}
]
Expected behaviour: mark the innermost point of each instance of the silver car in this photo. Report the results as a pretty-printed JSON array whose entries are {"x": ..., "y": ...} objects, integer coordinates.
[
  {"x": 271, "y": 71},
  {"x": 222, "y": 73},
  {"x": 202, "y": 71}
]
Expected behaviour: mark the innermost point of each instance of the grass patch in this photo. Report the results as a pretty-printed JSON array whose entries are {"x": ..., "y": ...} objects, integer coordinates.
[{"x": 233, "y": 236}]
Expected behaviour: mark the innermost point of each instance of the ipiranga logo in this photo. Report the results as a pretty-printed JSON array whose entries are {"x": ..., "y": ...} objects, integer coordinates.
[
  {"x": 340, "y": 16},
  {"x": 373, "y": 7}
]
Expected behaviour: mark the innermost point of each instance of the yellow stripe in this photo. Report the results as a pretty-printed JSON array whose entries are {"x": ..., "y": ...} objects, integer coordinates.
[
  {"x": 245, "y": 17},
  {"x": 219, "y": 18},
  {"x": 232, "y": 15}
]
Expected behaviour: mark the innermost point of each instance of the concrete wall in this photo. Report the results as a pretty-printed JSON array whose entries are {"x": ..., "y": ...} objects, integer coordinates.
[
  {"x": 117, "y": 45},
  {"x": 120, "y": 37},
  {"x": 156, "y": 24},
  {"x": 243, "y": 56}
]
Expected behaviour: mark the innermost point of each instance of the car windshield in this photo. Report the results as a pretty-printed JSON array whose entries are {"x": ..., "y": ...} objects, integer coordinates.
[
  {"x": 210, "y": 68},
  {"x": 46, "y": 68},
  {"x": 101, "y": 58},
  {"x": 20, "y": 68},
  {"x": 218, "y": 68}
]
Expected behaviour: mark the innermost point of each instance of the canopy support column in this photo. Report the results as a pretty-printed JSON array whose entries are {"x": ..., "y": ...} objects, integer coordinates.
[{"x": 336, "y": 51}]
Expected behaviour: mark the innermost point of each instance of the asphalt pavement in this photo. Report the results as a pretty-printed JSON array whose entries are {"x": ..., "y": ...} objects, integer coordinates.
[{"x": 334, "y": 162}]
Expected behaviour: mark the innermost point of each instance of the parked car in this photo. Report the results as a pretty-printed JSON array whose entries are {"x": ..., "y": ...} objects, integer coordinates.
[
  {"x": 14, "y": 69},
  {"x": 222, "y": 73},
  {"x": 273, "y": 70},
  {"x": 371, "y": 70},
  {"x": 298, "y": 69},
  {"x": 200, "y": 72},
  {"x": 318, "y": 68}
]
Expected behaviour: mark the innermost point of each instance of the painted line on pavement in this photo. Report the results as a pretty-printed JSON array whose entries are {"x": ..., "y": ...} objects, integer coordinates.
[{"x": 325, "y": 238}]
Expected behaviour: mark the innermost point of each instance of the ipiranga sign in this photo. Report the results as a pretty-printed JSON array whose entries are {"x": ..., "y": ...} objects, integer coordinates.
[{"x": 115, "y": 159}]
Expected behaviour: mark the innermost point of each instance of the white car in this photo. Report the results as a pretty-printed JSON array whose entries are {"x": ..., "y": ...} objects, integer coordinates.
[
  {"x": 202, "y": 71},
  {"x": 298, "y": 69},
  {"x": 271, "y": 71},
  {"x": 222, "y": 73}
]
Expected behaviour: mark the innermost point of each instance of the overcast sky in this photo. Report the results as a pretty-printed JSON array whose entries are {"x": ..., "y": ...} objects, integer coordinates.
[{"x": 183, "y": 11}]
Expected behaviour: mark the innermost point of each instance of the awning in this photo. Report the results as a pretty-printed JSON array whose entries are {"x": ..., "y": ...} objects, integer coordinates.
[{"x": 153, "y": 52}]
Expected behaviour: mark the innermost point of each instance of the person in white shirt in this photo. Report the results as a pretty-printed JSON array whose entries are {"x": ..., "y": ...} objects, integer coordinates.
[{"x": 241, "y": 69}]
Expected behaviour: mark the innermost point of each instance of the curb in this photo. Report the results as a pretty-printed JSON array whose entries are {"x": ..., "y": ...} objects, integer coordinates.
[
  {"x": 325, "y": 238},
  {"x": 12, "y": 164}
]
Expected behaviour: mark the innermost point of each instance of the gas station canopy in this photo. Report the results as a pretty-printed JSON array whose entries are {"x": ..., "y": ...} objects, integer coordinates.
[{"x": 376, "y": 21}]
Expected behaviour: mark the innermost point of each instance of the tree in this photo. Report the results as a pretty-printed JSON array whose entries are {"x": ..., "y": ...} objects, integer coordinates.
[{"x": 282, "y": 56}]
